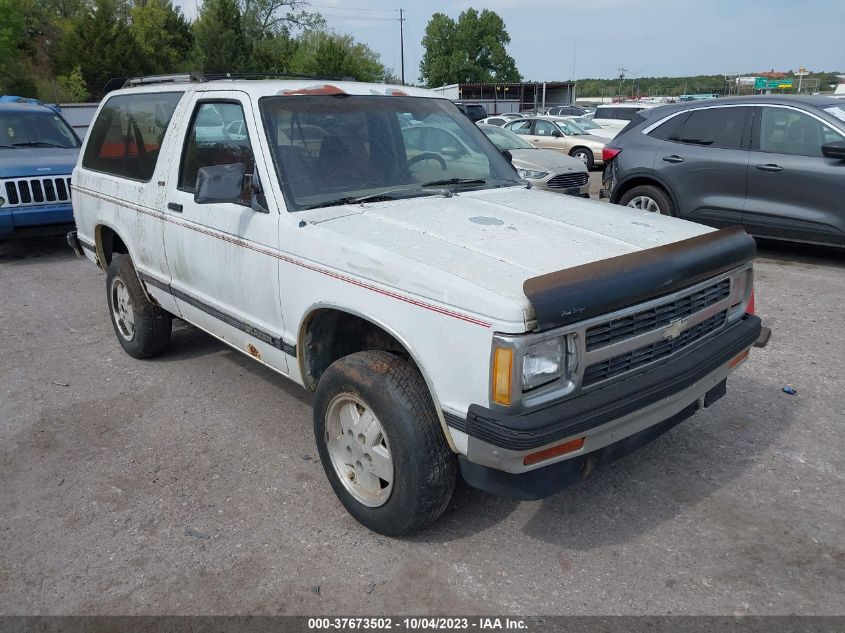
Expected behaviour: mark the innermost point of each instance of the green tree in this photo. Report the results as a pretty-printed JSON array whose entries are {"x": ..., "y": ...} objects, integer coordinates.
[
  {"x": 220, "y": 43},
  {"x": 469, "y": 50},
  {"x": 73, "y": 87},
  {"x": 163, "y": 34},
  {"x": 268, "y": 18},
  {"x": 337, "y": 55},
  {"x": 100, "y": 43}
]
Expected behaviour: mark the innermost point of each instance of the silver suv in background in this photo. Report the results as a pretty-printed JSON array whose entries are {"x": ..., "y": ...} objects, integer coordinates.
[{"x": 776, "y": 165}]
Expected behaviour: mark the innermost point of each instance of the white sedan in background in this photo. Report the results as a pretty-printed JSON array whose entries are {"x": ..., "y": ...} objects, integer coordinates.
[
  {"x": 544, "y": 168},
  {"x": 500, "y": 119},
  {"x": 593, "y": 128}
]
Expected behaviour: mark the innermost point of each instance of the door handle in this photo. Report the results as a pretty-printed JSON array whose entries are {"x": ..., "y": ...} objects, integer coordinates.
[
  {"x": 174, "y": 206},
  {"x": 770, "y": 167},
  {"x": 674, "y": 158}
]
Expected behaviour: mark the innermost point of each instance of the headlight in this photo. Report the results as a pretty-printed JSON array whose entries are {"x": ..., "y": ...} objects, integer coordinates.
[
  {"x": 525, "y": 367},
  {"x": 542, "y": 362},
  {"x": 530, "y": 173}
]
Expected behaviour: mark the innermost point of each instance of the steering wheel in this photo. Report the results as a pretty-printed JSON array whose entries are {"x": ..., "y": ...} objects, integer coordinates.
[{"x": 427, "y": 156}]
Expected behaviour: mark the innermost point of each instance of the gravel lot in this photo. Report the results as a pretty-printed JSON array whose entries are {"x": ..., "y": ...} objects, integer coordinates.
[{"x": 190, "y": 484}]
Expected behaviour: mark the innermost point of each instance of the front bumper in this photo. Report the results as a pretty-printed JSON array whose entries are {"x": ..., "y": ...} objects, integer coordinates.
[
  {"x": 46, "y": 219},
  {"x": 613, "y": 420}
]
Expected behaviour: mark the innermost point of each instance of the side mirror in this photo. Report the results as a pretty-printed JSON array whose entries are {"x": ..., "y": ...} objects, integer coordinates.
[
  {"x": 507, "y": 154},
  {"x": 221, "y": 183},
  {"x": 836, "y": 149},
  {"x": 557, "y": 134}
]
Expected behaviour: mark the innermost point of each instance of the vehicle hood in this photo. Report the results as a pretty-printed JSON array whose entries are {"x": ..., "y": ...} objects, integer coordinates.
[
  {"x": 546, "y": 160},
  {"x": 495, "y": 238},
  {"x": 37, "y": 161}
]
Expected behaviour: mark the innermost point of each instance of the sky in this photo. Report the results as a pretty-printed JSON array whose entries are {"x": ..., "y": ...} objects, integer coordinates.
[{"x": 598, "y": 37}]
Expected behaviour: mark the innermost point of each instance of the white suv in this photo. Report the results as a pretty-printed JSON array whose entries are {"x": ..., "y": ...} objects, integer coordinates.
[
  {"x": 447, "y": 316},
  {"x": 616, "y": 116}
]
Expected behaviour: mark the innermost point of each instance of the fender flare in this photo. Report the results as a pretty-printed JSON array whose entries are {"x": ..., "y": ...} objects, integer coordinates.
[
  {"x": 300, "y": 337},
  {"x": 101, "y": 255}
]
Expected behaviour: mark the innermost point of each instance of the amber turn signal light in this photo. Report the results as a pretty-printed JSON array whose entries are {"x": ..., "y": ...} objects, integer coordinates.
[
  {"x": 555, "y": 451},
  {"x": 502, "y": 370}
]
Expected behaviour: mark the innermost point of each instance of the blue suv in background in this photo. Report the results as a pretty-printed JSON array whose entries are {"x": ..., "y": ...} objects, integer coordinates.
[{"x": 38, "y": 152}]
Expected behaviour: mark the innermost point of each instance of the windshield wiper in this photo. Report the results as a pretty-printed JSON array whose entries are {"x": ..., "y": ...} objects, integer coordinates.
[
  {"x": 39, "y": 144},
  {"x": 8, "y": 146},
  {"x": 391, "y": 194},
  {"x": 455, "y": 181}
]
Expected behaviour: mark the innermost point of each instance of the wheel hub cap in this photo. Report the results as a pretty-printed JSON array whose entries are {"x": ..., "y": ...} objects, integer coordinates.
[
  {"x": 358, "y": 450},
  {"x": 644, "y": 203},
  {"x": 121, "y": 306}
]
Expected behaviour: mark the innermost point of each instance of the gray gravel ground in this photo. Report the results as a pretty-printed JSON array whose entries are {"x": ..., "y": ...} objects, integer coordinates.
[{"x": 190, "y": 484}]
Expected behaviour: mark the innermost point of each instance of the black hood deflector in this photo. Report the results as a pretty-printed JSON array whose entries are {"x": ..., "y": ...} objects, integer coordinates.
[{"x": 590, "y": 290}]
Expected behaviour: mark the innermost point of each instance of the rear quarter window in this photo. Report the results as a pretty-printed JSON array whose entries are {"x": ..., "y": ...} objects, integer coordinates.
[{"x": 126, "y": 138}]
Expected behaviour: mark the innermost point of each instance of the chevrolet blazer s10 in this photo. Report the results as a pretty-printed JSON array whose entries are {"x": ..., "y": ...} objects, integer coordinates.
[{"x": 448, "y": 318}]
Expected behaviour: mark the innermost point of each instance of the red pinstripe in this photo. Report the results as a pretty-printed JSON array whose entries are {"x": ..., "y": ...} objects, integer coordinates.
[{"x": 290, "y": 260}]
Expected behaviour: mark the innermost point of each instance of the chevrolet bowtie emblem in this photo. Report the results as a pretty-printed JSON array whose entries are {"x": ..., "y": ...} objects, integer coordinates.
[{"x": 675, "y": 329}]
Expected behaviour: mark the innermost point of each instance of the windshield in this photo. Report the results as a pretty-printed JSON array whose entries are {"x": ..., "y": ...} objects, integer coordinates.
[
  {"x": 40, "y": 128},
  {"x": 337, "y": 149},
  {"x": 570, "y": 129},
  {"x": 503, "y": 139}
]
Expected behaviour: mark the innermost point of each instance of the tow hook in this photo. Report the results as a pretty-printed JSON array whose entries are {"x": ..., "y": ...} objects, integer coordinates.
[{"x": 763, "y": 339}]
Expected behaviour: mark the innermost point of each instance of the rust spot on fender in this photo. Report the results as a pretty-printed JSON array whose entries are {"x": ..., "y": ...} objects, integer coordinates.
[
  {"x": 320, "y": 89},
  {"x": 253, "y": 351},
  {"x": 395, "y": 92}
]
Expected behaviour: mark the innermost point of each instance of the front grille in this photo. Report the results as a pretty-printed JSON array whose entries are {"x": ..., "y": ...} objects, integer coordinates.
[
  {"x": 632, "y": 325},
  {"x": 566, "y": 181},
  {"x": 31, "y": 191},
  {"x": 649, "y": 353}
]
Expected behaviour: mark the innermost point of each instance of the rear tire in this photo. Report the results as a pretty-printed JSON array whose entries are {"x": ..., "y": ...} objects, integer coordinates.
[
  {"x": 142, "y": 328},
  {"x": 648, "y": 198},
  {"x": 584, "y": 155},
  {"x": 381, "y": 443}
]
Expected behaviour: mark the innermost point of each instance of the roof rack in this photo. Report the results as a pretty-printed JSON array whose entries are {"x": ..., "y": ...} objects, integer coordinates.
[{"x": 198, "y": 77}]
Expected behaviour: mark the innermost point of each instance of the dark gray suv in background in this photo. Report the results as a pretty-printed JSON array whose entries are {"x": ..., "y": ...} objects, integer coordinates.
[{"x": 776, "y": 165}]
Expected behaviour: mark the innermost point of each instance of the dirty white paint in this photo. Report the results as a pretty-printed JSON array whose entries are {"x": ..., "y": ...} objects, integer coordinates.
[{"x": 440, "y": 274}]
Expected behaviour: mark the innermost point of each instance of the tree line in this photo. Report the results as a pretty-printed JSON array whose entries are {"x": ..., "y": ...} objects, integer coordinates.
[
  {"x": 675, "y": 86},
  {"x": 67, "y": 50}
]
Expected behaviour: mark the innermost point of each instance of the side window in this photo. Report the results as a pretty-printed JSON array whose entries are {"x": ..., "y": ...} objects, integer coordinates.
[
  {"x": 668, "y": 130},
  {"x": 785, "y": 131},
  {"x": 544, "y": 128},
  {"x": 496, "y": 121},
  {"x": 126, "y": 137},
  {"x": 521, "y": 127},
  {"x": 218, "y": 136},
  {"x": 713, "y": 127}
]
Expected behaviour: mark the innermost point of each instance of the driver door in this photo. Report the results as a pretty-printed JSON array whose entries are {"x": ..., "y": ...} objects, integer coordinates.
[{"x": 222, "y": 255}]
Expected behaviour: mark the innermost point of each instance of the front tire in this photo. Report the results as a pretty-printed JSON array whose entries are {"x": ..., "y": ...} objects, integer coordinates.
[
  {"x": 142, "y": 328},
  {"x": 648, "y": 198},
  {"x": 381, "y": 443}
]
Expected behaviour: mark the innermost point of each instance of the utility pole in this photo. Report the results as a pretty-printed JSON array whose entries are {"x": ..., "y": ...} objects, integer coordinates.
[
  {"x": 621, "y": 81},
  {"x": 402, "y": 42}
]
